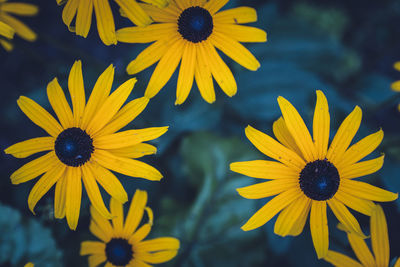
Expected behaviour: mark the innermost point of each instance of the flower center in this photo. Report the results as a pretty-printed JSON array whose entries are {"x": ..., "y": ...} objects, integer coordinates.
[
  {"x": 319, "y": 180},
  {"x": 119, "y": 252},
  {"x": 74, "y": 147},
  {"x": 195, "y": 24}
]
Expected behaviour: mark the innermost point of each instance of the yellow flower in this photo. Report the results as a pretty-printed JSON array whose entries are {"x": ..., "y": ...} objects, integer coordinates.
[
  {"x": 189, "y": 30},
  {"x": 6, "y": 32},
  {"x": 122, "y": 242},
  {"x": 83, "y": 10},
  {"x": 83, "y": 144},
  {"x": 379, "y": 241},
  {"x": 309, "y": 175},
  {"x": 21, "y": 9},
  {"x": 396, "y": 85},
  {"x": 29, "y": 264}
]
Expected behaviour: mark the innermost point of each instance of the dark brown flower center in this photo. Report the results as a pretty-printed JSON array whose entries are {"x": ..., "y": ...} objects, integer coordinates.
[{"x": 195, "y": 24}]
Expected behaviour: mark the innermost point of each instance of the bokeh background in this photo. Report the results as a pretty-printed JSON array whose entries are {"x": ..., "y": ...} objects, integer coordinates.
[{"x": 345, "y": 48}]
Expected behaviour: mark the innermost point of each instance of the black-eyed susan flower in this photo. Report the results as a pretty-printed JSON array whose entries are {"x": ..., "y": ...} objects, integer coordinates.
[
  {"x": 83, "y": 145},
  {"x": 379, "y": 241},
  {"x": 396, "y": 85},
  {"x": 307, "y": 175},
  {"x": 122, "y": 242},
  {"x": 6, "y": 34},
  {"x": 187, "y": 32},
  {"x": 83, "y": 11},
  {"x": 7, "y": 10}
]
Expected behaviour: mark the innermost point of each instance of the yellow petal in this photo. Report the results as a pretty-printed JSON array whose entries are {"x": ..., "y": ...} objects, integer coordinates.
[
  {"x": 157, "y": 257},
  {"x": 273, "y": 207},
  {"x": 77, "y": 92},
  {"x": 164, "y": 70},
  {"x": 44, "y": 184},
  {"x": 319, "y": 228},
  {"x": 69, "y": 12},
  {"x": 39, "y": 116},
  {"x": 135, "y": 151},
  {"x": 264, "y": 169},
  {"x": 396, "y": 65},
  {"x": 59, "y": 197},
  {"x": 128, "y": 138},
  {"x": 292, "y": 215},
  {"x": 340, "y": 260},
  {"x": 110, "y": 107},
  {"x": 108, "y": 181},
  {"x": 345, "y": 217},
  {"x": 361, "y": 149},
  {"x": 100, "y": 92},
  {"x": 358, "y": 204},
  {"x": 8, "y": 46},
  {"x": 273, "y": 149},
  {"x": 220, "y": 71},
  {"x": 395, "y": 86},
  {"x": 117, "y": 211},
  {"x": 159, "y": 244},
  {"x": 93, "y": 191},
  {"x": 135, "y": 213},
  {"x": 361, "y": 250},
  {"x": 235, "y": 51},
  {"x": 267, "y": 189},
  {"x": 99, "y": 233},
  {"x": 6, "y": 31},
  {"x": 134, "y": 12},
  {"x": 283, "y": 135},
  {"x": 105, "y": 22},
  {"x": 125, "y": 115},
  {"x": 73, "y": 196},
  {"x": 20, "y": 28},
  {"x": 186, "y": 73},
  {"x": 21, "y": 9},
  {"x": 92, "y": 247},
  {"x": 141, "y": 233},
  {"x": 380, "y": 237},
  {"x": 146, "y": 34},
  {"x": 157, "y": 14},
  {"x": 321, "y": 125},
  {"x": 236, "y": 15},
  {"x": 84, "y": 17},
  {"x": 59, "y": 104},
  {"x": 344, "y": 135},
  {"x": 366, "y": 191},
  {"x": 29, "y": 147},
  {"x": 102, "y": 226},
  {"x": 96, "y": 260},
  {"x": 361, "y": 168},
  {"x": 158, "y": 3},
  {"x": 129, "y": 167},
  {"x": 297, "y": 129},
  {"x": 397, "y": 263},
  {"x": 243, "y": 34},
  {"x": 213, "y": 6},
  {"x": 203, "y": 76},
  {"x": 34, "y": 168}
]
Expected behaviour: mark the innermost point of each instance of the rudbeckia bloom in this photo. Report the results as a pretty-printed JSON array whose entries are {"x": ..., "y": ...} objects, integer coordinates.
[
  {"x": 379, "y": 242},
  {"x": 187, "y": 32},
  {"x": 83, "y": 10},
  {"x": 84, "y": 144},
  {"x": 6, "y": 33},
  {"x": 122, "y": 241},
  {"x": 308, "y": 175},
  {"x": 7, "y": 9}
]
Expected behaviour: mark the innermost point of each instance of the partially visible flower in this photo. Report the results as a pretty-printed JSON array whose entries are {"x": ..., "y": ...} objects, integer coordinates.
[
  {"x": 188, "y": 32},
  {"x": 379, "y": 241},
  {"x": 7, "y": 9},
  {"x": 122, "y": 242},
  {"x": 396, "y": 85},
  {"x": 83, "y": 145},
  {"x": 29, "y": 264},
  {"x": 6, "y": 34},
  {"x": 308, "y": 176},
  {"x": 83, "y": 10}
]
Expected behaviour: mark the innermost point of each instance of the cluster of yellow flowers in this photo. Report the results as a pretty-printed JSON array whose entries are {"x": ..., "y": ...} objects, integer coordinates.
[{"x": 84, "y": 143}]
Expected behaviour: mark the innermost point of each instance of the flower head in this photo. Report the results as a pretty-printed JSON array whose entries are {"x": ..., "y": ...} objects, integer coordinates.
[
  {"x": 307, "y": 175},
  {"x": 379, "y": 242},
  {"x": 187, "y": 32},
  {"x": 7, "y": 9},
  {"x": 83, "y": 11},
  {"x": 84, "y": 144},
  {"x": 122, "y": 242}
]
